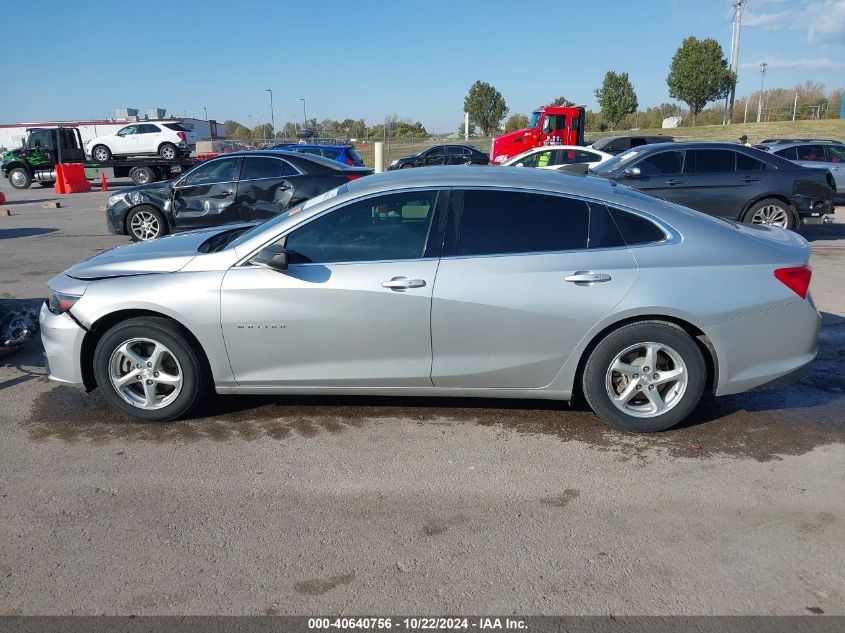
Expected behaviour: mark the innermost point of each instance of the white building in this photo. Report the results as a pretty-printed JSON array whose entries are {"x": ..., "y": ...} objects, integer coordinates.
[{"x": 12, "y": 135}]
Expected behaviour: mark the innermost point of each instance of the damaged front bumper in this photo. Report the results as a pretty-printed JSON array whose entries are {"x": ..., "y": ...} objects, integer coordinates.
[{"x": 62, "y": 337}]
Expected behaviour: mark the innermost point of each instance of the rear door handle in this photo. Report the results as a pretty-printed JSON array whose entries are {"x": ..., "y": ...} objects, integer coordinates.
[
  {"x": 585, "y": 277},
  {"x": 402, "y": 283},
  {"x": 225, "y": 194},
  {"x": 750, "y": 179},
  {"x": 675, "y": 181}
]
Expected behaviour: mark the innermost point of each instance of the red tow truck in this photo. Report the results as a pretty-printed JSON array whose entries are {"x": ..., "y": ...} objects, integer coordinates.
[{"x": 548, "y": 125}]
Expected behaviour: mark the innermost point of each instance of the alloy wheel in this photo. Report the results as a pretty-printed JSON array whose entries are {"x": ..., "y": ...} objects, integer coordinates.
[
  {"x": 771, "y": 214},
  {"x": 646, "y": 380},
  {"x": 101, "y": 155},
  {"x": 168, "y": 152},
  {"x": 145, "y": 226},
  {"x": 145, "y": 373}
]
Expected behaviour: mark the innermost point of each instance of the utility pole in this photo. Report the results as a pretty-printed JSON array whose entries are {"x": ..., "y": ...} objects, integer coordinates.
[
  {"x": 745, "y": 116},
  {"x": 794, "y": 106},
  {"x": 739, "y": 6},
  {"x": 272, "y": 114},
  {"x": 304, "y": 114},
  {"x": 763, "y": 66},
  {"x": 204, "y": 109}
]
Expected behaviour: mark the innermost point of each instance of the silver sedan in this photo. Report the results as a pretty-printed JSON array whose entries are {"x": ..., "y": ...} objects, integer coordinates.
[{"x": 448, "y": 281}]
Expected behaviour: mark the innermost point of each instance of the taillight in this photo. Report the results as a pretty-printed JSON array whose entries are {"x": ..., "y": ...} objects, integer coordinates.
[
  {"x": 353, "y": 176},
  {"x": 182, "y": 136},
  {"x": 350, "y": 162},
  {"x": 797, "y": 279}
]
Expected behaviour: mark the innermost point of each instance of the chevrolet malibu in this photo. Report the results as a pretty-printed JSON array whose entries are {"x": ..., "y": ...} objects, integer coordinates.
[{"x": 494, "y": 282}]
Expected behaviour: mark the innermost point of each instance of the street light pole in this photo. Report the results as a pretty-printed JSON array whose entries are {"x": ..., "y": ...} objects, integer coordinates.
[
  {"x": 272, "y": 114},
  {"x": 763, "y": 66},
  {"x": 204, "y": 109},
  {"x": 304, "y": 114}
]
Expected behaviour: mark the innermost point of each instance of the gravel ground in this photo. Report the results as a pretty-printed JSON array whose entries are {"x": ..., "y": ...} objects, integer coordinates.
[{"x": 382, "y": 505}]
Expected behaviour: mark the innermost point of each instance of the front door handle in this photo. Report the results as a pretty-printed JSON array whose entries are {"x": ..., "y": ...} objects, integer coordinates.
[
  {"x": 675, "y": 181},
  {"x": 226, "y": 194},
  {"x": 402, "y": 283},
  {"x": 750, "y": 179},
  {"x": 586, "y": 277}
]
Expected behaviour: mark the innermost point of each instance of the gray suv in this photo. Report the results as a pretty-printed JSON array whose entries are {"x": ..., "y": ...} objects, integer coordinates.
[{"x": 823, "y": 154}]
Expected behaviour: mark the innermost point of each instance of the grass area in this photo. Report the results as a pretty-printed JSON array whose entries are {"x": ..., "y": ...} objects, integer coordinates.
[{"x": 827, "y": 128}]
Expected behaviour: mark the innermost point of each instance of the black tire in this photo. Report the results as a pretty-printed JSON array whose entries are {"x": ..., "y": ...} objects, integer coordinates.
[
  {"x": 196, "y": 382},
  {"x": 19, "y": 178},
  {"x": 168, "y": 151},
  {"x": 101, "y": 154},
  {"x": 598, "y": 379},
  {"x": 142, "y": 175},
  {"x": 407, "y": 166},
  {"x": 145, "y": 223},
  {"x": 759, "y": 209},
  {"x": 47, "y": 183}
]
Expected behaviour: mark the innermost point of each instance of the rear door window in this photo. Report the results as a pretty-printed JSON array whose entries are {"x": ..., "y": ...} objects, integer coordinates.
[
  {"x": 508, "y": 222},
  {"x": 713, "y": 161},
  {"x": 331, "y": 154},
  {"x": 836, "y": 153},
  {"x": 260, "y": 167},
  {"x": 662, "y": 163}
]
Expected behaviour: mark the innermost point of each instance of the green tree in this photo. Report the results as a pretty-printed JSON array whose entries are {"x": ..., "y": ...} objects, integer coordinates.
[
  {"x": 516, "y": 121},
  {"x": 563, "y": 101},
  {"x": 616, "y": 98},
  {"x": 235, "y": 130},
  {"x": 699, "y": 74},
  {"x": 486, "y": 107}
]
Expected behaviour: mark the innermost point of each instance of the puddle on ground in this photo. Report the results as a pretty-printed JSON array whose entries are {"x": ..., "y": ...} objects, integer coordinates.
[{"x": 758, "y": 425}]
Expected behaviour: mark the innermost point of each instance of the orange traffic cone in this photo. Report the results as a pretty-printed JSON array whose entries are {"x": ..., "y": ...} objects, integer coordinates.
[{"x": 103, "y": 182}]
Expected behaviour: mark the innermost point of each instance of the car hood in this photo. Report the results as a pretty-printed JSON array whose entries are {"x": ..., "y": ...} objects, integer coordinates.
[
  {"x": 166, "y": 255},
  {"x": 161, "y": 189}
]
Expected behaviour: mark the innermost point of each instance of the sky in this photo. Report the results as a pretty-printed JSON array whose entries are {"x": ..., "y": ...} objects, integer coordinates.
[{"x": 370, "y": 59}]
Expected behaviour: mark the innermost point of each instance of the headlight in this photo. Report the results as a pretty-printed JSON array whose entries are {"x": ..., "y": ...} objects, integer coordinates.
[
  {"x": 113, "y": 200},
  {"x": 59, "y": 303},
  {"x": 393, "y": 162}
]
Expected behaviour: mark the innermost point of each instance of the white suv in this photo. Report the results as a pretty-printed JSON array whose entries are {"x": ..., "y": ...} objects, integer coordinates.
[{"x": 167, "y": 139}]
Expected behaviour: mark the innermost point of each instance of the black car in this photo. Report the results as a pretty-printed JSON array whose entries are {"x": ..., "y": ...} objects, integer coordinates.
[
  {"x": 442, "y": 155},
  {"x": 237, "y": 187},
  {"x": 618, "y": 144},
  {"x": 727, "y": 180}
]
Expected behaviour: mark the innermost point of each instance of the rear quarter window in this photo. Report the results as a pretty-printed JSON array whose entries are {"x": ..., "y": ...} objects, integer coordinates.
[
  {"x": 176, "y": 127},
  {"x": 636, "y": 229}
]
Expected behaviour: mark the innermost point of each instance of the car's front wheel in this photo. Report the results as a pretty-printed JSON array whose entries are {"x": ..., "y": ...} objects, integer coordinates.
[
  {"x": 645, "y": 377},
  {"x": 145, "y": 223},
  {"x": 771, "y": 211},
  {"x": 19, "y": 178},
  {"x": 101, "y": 153},
  {"x": 147, "y": 368}
]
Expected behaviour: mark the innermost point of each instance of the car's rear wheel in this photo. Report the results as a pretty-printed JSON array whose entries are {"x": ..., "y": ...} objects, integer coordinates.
[
  {"x": 168, "y": 151},
  {"x": 145, "y": 223},
  {"x": 19, "y": 178},
  {"x": 645, "y": 377},
  {"x": 771, "y": 211},
  {"x": 407, "y": 166},
  {"x": 101, "y": 153},
  {"x": 148, "y": 368}
]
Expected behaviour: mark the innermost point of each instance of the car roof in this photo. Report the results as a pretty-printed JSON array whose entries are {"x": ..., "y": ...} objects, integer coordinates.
[
  {"x": 782, "y": 144},
  {"x": 317, "y": 146}
]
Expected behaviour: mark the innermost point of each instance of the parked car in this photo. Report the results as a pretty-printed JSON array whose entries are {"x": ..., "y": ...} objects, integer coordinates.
[
  {"x": 236, "y": 187},
  {"x": 168, "y": 139},
  {"x": 442, "y": 155},
  {"x": 618, "y": 144},
  {"x": 727, "y": 180},
  {"x": 556, "y": 156},
  {"x": 345, "y": 154},
  {"x": 821, "y": 154},
  {"x": 448, "y": 281}
]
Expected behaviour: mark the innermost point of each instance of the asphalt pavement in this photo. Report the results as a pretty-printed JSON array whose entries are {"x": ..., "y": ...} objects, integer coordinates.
[{"x": 295, "y": 505}]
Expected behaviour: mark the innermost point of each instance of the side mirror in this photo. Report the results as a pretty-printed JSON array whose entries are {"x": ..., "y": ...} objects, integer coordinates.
[
  {"x": 273, "y": 256},
  {"x": 519, "y": 165},
  {"x": 632, "y": 172}
]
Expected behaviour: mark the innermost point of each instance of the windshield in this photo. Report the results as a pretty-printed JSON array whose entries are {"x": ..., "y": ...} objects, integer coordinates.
[
  {"x": 534, "y": 120},
  {"x": 614, "y": 163}
]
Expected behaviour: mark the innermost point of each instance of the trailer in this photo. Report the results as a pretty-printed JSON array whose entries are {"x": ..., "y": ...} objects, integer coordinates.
[{"x": 45, "y": 147}]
